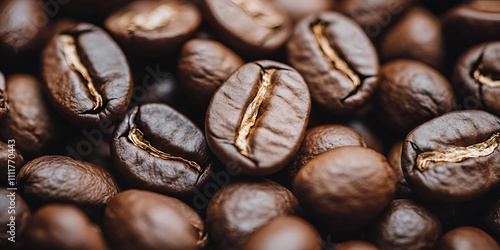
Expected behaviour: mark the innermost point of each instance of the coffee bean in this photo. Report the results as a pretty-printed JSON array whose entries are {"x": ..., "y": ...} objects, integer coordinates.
[
  {"x": 406, "y": 40},
  {"x": 158, "y": 149},
  {"x": 346, "y": 187},
  {"x": 405, "y": 225},
  {"x": 411, "y": 93},
  {"x": 319, "y": 140},
  {"x": 58, "y": 226},
  {"x": 453, "y": 157},
  {"x": 61, "y": 179},
  {"x": 13, "y": 206},
  {"x": 203, "y": 66},
  {"x": 30, "y": 120},
  {"x": 84, "y": 8},
  {"x": 4, "y": 100},
  {"x": 298, "y": 9},
  {"x": 253, "y": 28},
  {"x": 137, "y": 219},
  {"x": 258, "y": 117},
  {"x": 466, "y": 238},
  {"x": 286, "y": 232},
  {"x": 403, "y": 190},
  {"x": 476, "y": 77},
  {"x": 337, "y": 60},
  {"x": 153, "y": 28},
  {"x": 374, "y": 16},
  {"x": 354, "y": 245},
  {"x": 24, "y": 26},
  {"x": 242, "y": 207},
  {"x": 86, "y": 76},
  {"x": 11, "y": 160},
  {"x": 470, "y": 24}
]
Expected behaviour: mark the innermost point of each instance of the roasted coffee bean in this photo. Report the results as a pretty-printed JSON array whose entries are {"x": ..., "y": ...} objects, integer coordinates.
[
  {"x": 61, "y": 179},
  {"x": 403, "y": 190},
  {"x": 84, "y": 8},
  {"x": 319, "y": 140},
  {"x": 63, "y": 227},
  {"x": 373, "y": 140},
  {"x": 354, "y": 245},
  {"x": 86, "y": 76},
  {"x": 411, "y": 93},
  {"x": 4, "y": 100},
  {"x": 470, "y": 24},
  {"x": 286, "y": 232},
  {"x": 341, "y": 74},
  {"x": 346, "y": 187},
  {"x": 416, "y": 36},
  {"x": 405, "y": 225},
  {"x": 253, "y": 28},
  {"x": 258, "y": 117},
  {"x": 298, "y": 9},
  {"x": 137, "y": 219},
  {"x": 24, "y": 26},
  {"x": 153, "y": 28},
  {"x": 158, "y": 149},
  {"x": 11, "y": 160},
  {"x": 203, "y": 66},
  {"x": 476, "y": 77},
  {"x": 242, "y": 207},
  {"x": 30, "y": 120},
  {"x": 453, "y": 157},
  {"x": 466, "y": 238},
  {"x": 12, "y": 234},
  {"x": 375, "y": 16}
]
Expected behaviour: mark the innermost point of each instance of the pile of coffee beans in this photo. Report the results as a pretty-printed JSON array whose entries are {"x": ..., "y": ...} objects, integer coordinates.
[{"x": 249, "y": 124}]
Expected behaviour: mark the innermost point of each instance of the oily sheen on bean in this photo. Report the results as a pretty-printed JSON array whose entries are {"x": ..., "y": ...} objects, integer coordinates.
[{"x": 257, "y": 118}]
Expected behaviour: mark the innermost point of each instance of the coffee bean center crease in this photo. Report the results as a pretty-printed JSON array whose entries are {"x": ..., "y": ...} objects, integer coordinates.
[
  {"x": 318, "y": 29},
  {"x": 484, "y": 79},
  {"x": 137, "y": 138},
  {"x": 254, "y": 9},
  {"x": 252, "y": 111},
  {"x": 2, "y": 99},
  {"x": 71, "y": 55},
  {"x": 459, "y": 154},
  {"x": 151, "y": 20}
]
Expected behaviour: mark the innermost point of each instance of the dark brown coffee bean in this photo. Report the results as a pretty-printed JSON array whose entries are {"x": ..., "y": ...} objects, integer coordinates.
[
  {"x": 374, "y": 16},
  {"x": 63, "y": 227},
  {"x": 373, "y": 140},
  {"x": 84, "y": 8},
  {"x": 466, "y": 238},
  {"x": 242, "y": 207},
  {"x": 4, "y": 100},
  {"x": 411, "y": 93},
  {"x": 477, "y": 77},
  {"x": 406, "y": 225},
  {"x": 30, "y": 120},
  {"x": 286, "y": 232},
  {"x": 137, "y": 219},
  {"x": 319, "y": 140},
  {"x": 341, "y": 74},
  {"x": 61, "y": 179},
  {"x": 453, "y": 157},
  {"x": 354, "y": 245},
  {"x": 86, "y": 75},
  {"x": 346, "y": 187},
  {"x": 13, "y": 231},
  {"x": 253, "y": 28},
  {"x": 153, "y": 28},
  {"x": 258, "y": 117},
  {"x": 203, "y": 66},
  {"x": 158, "y": 149},
  {"x": 24, "y": 26},
  {"x": 403, "y": 190},
  {"x": 298, "y": 9},
  {"x": 470, "y": 24},
  {"x": 416, "y": 36},
  {"x": 11, "y": 161}
]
